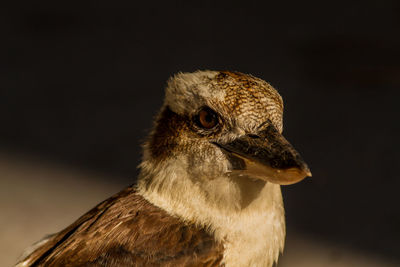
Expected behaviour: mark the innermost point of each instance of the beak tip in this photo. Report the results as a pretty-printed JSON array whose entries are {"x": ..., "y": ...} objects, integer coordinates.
[{"x": 304, "y": 169}]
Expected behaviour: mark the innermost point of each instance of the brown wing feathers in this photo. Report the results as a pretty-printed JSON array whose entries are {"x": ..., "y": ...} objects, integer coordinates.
[{"x": 126, "y": 230}]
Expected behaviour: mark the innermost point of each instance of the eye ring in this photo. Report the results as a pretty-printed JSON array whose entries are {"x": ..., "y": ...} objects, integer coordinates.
[{"x": 206, "y": 118}]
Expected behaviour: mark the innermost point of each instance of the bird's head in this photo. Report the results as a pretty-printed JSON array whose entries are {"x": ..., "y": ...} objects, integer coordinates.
[
  {"x": 217, "y": 124},
  {"x": 219, "y": 137}
]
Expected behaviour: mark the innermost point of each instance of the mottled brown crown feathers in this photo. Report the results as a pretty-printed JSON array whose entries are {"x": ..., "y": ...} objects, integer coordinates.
[
  {"x": 248, "y": 96},
  {"x": 127, "y": 230}
]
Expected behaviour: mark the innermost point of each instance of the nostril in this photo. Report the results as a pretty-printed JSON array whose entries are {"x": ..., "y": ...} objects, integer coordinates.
[{"x": 253, "y": 136}]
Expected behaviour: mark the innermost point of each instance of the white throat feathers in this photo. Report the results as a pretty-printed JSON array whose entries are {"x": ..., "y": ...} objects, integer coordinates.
[{"x": 246, "y": 216}]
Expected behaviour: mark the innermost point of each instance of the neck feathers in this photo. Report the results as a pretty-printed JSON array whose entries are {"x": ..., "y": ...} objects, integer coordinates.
[{"x": 246, "y": 216}]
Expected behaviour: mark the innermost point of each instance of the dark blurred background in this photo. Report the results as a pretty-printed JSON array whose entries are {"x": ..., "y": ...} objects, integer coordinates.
[{"x": 81, "y": 82}]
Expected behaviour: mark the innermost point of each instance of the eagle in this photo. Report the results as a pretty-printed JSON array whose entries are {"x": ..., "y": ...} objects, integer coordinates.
[{"x": 208, "y": 192}]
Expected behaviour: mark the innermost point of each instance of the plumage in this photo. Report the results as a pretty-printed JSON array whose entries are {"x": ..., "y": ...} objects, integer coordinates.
[
  {"x": 208, "y": 192},
  {"x": 127, "y": 230}
]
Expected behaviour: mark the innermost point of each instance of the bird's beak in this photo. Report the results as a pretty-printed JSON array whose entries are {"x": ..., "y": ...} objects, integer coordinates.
[{"x": 267, "y": 156}]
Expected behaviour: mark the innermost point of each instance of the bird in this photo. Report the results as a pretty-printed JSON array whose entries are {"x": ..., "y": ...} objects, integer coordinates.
[{"x": 208, "y": 191}]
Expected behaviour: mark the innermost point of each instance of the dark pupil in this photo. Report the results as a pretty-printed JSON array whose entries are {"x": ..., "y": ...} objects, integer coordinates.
[{"x": 209, "y": 118}]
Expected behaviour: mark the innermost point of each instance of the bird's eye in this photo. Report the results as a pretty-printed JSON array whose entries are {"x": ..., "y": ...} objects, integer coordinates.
[{"x": 207, "y": 118}]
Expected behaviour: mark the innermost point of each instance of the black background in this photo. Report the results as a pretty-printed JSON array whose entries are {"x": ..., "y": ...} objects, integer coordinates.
[{"x": 81, "y": 82}]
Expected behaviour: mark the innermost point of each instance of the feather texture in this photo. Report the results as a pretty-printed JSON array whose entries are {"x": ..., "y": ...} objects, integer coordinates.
[{"x": 127, "y": 230}]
